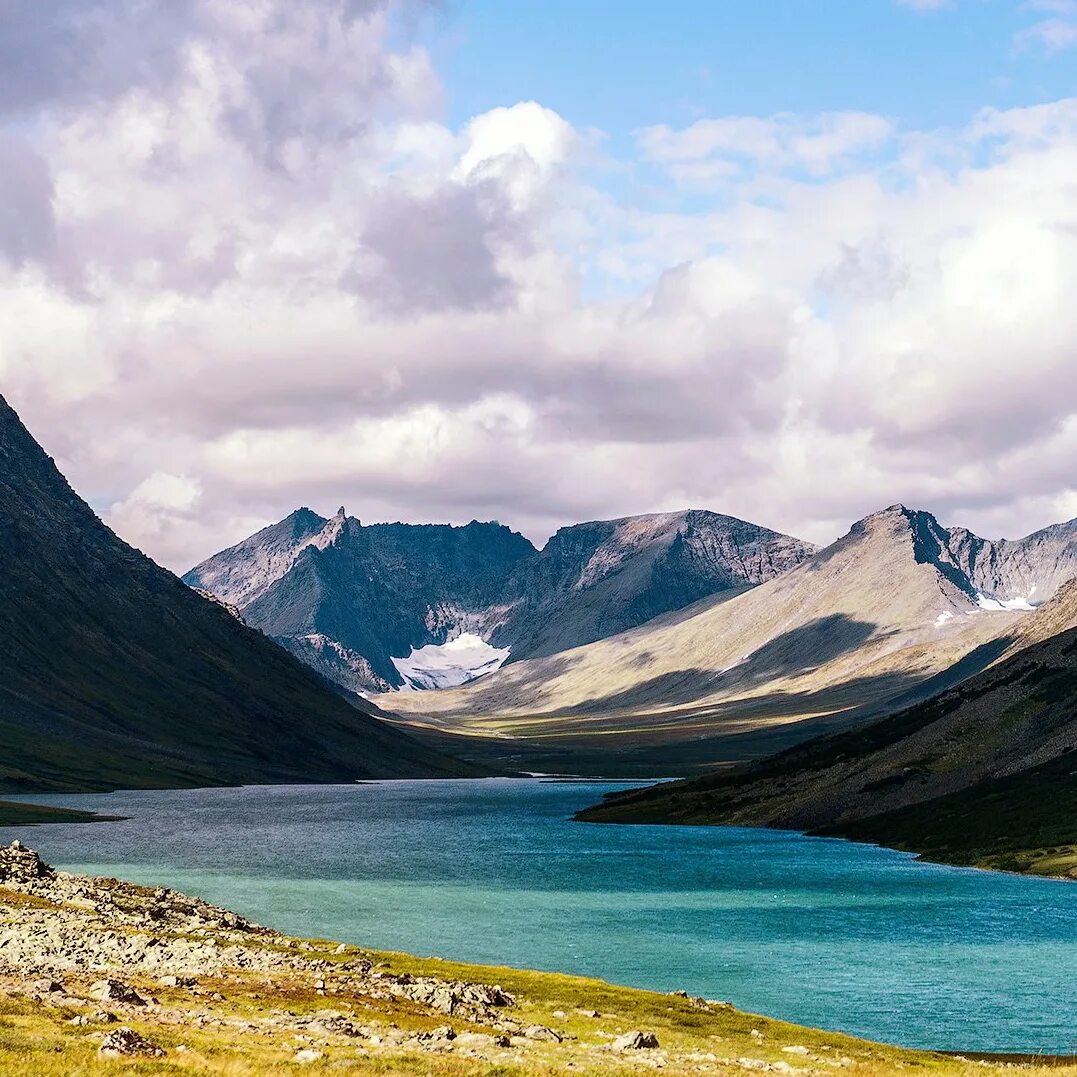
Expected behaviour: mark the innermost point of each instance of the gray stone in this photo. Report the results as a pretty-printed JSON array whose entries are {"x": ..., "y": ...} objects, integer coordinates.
[
  {"x": 126, "y": 1042},
  {"x": 635, "y": 1041}
]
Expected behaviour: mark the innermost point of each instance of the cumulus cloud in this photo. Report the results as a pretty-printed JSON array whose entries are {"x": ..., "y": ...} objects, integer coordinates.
[{"x": 245, "y": 266}]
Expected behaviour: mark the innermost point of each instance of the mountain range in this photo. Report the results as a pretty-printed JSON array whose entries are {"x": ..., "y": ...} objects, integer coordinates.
[
  {"x": 116, "y": 674},
  {"x": 909, "y": 683},
  {"x": 896, "y": 610},
  {"x": 374, "y": 606}
]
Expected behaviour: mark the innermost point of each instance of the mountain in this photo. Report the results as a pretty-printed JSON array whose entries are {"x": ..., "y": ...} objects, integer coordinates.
[
  {"x": 893, "y": 611},
  {"x": 985, "y": 773},
  {"x": 375, "y": 606},
  {"x": 116, "y": 674},
  {"x": 594, "y": 580}
]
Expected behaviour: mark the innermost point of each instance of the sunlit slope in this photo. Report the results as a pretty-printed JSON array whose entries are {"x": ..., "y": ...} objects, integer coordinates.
[
  {"x": 985, "y": 773},
  {"x": 857, "y": 629}
]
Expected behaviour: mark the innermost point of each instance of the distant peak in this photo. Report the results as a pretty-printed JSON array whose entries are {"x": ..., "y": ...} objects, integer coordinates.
[
  {"x": 897, "y": 513},
  {"x": 340, "y": 513}
]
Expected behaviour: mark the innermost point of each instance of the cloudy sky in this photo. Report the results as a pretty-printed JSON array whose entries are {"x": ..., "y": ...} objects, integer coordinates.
[{"x": 542, "y": 261}]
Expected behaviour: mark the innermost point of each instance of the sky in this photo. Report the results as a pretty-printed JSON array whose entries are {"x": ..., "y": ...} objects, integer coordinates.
[{"x": 542, "y": 262}]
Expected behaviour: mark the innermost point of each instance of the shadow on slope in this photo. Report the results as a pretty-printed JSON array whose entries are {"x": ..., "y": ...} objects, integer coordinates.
[{"x": 789, "y": 654}]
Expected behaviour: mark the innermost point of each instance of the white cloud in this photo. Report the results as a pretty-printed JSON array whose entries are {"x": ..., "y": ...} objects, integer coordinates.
[
  {"x": 817, "y": 144},
  {"x": 1053, "y": 35},
  {"x": 221, "y": 298}
]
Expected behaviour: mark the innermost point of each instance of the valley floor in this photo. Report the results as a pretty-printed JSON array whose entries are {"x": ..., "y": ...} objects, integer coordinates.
[{"x": 98, "y": 975}]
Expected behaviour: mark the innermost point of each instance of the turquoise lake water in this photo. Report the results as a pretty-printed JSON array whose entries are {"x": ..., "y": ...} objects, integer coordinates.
[{"x": 819, "y": 931}]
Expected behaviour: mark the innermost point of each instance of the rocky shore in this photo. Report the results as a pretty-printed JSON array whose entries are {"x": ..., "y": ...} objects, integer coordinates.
[{"x": 95, "y": 970}]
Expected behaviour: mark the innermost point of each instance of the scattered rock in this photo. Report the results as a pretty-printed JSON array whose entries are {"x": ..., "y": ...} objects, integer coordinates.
[
  {"x": 116, "y": 991},
  {"x": 337, "y": 1025},
  {"x": 125, "y": 1042},
  {"x": 541, "y": 1032},
  {"x": 20, "y": 866},
  {"x": 307, "y": 1056},
  {"x": 635, "y": 1041},
  {"x": 451, "y": 996},
  {"x": 48, "y": 987},
  {"x": 795, "y": 1049}
]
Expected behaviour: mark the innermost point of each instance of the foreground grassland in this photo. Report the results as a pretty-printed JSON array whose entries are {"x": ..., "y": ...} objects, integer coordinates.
[{"x": 203, "y": 991}]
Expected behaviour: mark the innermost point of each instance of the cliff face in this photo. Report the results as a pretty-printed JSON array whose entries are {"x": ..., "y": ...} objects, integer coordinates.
[
  {"x": 116, "y": 674},
  {"x": 349, "y": 599}
]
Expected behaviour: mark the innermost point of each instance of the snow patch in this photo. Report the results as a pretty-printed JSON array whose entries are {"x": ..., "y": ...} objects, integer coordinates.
[
  {"x": 1020, "y": 602},
  {"x": 447, "y": 665},
  {"x": 946, "y": 615}
]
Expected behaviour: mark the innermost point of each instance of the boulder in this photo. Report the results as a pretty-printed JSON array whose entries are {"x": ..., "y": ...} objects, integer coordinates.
[
  {"x": 635, "y": 1041},
  {"x": 116, "y": 991},
  {"x": 541, "y": 1032},
  {"x": 21, "y": 866},
  {"x": 126, "y": 1042}
]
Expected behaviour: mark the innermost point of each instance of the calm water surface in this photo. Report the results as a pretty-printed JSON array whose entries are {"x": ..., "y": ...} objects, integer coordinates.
[{"x": 818, "y": 931}]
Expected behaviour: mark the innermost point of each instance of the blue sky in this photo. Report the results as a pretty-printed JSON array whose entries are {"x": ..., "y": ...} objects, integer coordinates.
[{"x": 622, "y": 64}]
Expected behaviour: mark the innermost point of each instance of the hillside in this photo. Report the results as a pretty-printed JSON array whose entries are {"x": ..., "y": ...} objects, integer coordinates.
[
  {"x": 373, "y": 606},
  {"x": 886, "y": 615},
  {"x": 985, "y": 773},
  {"x": 116, "y": 674}
]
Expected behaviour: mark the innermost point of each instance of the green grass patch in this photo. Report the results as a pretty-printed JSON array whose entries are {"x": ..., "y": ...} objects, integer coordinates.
[{"x": 12, "y": 814}]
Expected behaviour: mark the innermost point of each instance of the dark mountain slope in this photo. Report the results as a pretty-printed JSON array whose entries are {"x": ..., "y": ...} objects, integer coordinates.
[
  {"x": 349, "y": 598},
  {"x": 984, "y": 773},
  {"x": 372, "y": 593},
  {"x": 594, "y": 580},
  {"x": 113, "y": 673}
]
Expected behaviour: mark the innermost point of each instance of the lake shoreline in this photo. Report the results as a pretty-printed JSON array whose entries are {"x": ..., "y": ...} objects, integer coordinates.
[
  {"x": 493, "y": 872},
  {"x": 149, "y": 973},
  {"x": 613, "y": 814}
]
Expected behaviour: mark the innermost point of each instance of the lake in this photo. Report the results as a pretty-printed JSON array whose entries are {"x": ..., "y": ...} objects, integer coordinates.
[{"x": 819, "y": 931}]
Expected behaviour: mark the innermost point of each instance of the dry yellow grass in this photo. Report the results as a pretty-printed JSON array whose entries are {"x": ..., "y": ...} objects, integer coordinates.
[{"x": 238, "y": 1037}]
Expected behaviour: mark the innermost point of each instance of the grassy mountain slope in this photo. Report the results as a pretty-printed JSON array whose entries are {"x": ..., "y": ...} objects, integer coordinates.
[
  {"x": 116, "y": 674},
  {"x": 985, "y": 773}
]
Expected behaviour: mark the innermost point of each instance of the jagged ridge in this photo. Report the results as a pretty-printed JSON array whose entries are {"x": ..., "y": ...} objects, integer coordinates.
[{"x": 348, "y": 598}]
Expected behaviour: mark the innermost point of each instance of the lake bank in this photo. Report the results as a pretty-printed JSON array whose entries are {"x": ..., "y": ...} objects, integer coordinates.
[
  {"x": 182, "y": 986},
  {"x": 821, "y": 932}
]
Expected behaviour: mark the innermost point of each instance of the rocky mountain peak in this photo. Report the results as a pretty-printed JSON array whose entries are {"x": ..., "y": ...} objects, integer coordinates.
[
  {"x": 373, "y": 595},
  {"x": 993, "y": 573}
]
